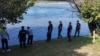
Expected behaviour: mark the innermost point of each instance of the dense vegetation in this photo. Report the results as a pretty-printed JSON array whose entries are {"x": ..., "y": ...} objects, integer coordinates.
[
  {"x": 11, "y": 10},
  {"x": 90, "y": 12}
]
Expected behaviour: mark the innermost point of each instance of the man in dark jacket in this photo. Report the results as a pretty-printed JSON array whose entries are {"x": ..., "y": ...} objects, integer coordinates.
[
  {"x": 50, "y": 28},
  {"x": 60, "y": 29},
  {"x": 22, "y": 37},
  {"x": 69, "y": 29},
  {"x": 78, "y": 27}
]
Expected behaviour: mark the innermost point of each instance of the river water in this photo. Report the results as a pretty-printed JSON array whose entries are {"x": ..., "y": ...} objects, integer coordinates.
[{"x": 37, "y": 18}]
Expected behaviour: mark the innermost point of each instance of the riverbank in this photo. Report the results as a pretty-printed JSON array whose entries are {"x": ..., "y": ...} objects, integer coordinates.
[
  {"x": 37, "y": 18},
  {"x": 81, "y": 46},
  {"x": 51, "y": 2}
]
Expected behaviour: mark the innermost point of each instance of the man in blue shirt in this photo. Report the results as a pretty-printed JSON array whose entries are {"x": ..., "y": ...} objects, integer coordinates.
[
  {"x": 30, "y": 36},
  {"x": 4, "y": 40}
]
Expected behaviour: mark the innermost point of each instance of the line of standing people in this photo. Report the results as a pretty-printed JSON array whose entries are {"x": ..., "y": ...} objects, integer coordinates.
[
  {"x": 69, "y": 30},
  {"x": 23, "y": 34}
]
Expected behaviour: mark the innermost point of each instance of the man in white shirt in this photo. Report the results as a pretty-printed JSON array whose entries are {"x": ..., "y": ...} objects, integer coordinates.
[
  {"x": 4, "y": 40},
  {"x": 30, "y": 36}
]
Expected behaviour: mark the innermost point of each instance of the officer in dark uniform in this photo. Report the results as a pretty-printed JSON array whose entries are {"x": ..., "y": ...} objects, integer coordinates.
[
  {"x": 50, "y": 28},
  {"x": 78, "y": 27},
  {"x": 22, "y": 37},
  {"x": 69, "y": 29},
  {"x": 60, "y": 29}
]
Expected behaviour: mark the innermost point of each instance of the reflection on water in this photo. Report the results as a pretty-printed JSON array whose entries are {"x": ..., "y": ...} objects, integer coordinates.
[{"x": 37, "y": 18}]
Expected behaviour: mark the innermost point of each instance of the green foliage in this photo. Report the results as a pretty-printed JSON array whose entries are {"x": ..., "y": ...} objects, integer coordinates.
[
  {"x": 98, "y": 31},
  {"x": 90, "y": 10},
  {"x": 98, "y": 27},
  {"x": 11, "y": 10}
]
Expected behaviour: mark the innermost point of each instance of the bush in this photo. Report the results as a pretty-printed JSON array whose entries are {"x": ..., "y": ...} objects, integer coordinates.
[{"x": 98, "y": 31}]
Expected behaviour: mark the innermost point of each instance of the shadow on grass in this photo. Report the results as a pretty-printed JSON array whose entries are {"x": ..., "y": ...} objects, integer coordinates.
[{"x": 57, "y": 47}]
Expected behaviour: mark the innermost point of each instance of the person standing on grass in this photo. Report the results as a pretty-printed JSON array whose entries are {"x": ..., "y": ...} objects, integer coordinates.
[
  {"x": 4, "y": 40},
  {"x": 30, "y": 36},
  {"x": 69, "y": 30},
  {"x": 78, "y": 27},
  {"x": 50, "y": 28},
  {"x": 22, "y": 37},
  {"x": 60, "y": 29}
]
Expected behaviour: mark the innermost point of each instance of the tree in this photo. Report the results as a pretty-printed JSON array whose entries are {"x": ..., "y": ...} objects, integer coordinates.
[
  {"x": 11, "y": 10},
  {"x": 90, "y": 12}
]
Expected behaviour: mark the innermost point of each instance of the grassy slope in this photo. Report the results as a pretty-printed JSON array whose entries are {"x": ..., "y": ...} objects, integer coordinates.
[{"x": 78, "y": 47}]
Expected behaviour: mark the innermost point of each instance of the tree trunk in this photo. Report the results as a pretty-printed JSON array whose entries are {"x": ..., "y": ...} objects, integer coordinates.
[
  {"x": 76, "y": 5},
  {"x": 93, "y": 36},
  {"x": 92, "y": 27}
]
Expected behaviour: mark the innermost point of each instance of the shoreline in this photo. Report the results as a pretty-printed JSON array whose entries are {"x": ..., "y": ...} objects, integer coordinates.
[{"x": 51, "y": 2}]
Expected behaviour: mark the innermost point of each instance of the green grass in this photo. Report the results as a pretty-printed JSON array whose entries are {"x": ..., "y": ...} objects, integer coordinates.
[{"x": 80, "y": 46}]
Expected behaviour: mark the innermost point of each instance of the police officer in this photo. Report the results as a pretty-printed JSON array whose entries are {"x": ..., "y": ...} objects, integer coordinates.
[
  {"x": 60, "y": 29},
  {"x": 78, "y": 27},
  {"x": 50, "y": 28},
  {"x": 69, "y": 29},
  {"x": 22, "y": 37}
]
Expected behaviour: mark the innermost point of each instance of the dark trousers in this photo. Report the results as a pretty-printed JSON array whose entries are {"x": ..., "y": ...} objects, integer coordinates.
[
  {"x": 48, "y": 36},
  {"x": 22, "y": 43},
  {"x": 77, "y": 32},
  {"x": 59, "y": 34},
  {"x": 69, "y": 36},
  {"x": 4, "y": 44},
  {"x": 30, "y": 39}
]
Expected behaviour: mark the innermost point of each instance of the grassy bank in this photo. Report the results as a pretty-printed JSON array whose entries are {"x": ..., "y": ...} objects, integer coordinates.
[{"x": 78, "y": 47}]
